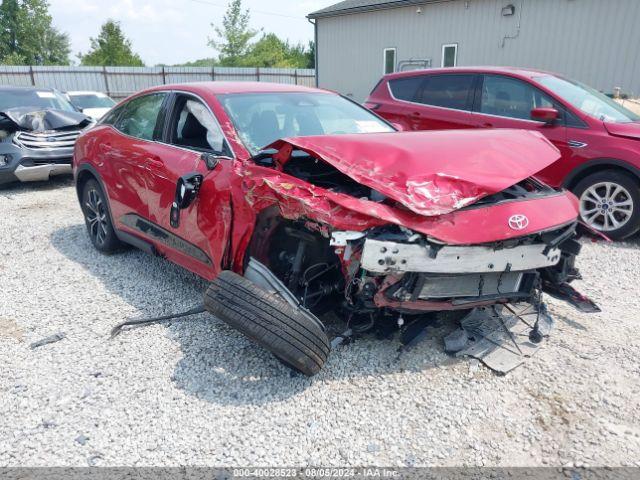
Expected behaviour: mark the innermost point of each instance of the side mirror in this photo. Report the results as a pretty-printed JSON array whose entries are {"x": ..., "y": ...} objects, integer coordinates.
[
  {"x": 186, "y": 192},
  {"x": 398, "y": 126},
  {"x": 210, "y": 160},
  {"x": 545, "y": 114}
]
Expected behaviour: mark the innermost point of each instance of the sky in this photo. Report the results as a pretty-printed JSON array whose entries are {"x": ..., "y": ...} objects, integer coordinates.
[{"x": 175, "y": 31}]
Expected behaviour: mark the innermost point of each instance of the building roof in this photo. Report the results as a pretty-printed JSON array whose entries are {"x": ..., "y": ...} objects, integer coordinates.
[{"x": 356, "y": 6}]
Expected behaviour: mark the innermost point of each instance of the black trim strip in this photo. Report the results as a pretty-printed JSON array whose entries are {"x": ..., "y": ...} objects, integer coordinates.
[{"x": 165, "y": 237}]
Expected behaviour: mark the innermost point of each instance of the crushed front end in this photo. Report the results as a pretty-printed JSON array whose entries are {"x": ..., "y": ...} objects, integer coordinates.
[
  {"x": 37, "y": 144},
  {"x": 388, "y": 244}
]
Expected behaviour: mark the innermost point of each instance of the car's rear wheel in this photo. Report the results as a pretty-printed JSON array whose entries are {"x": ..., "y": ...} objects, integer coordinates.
[
  {"x": 268, "y": 321},
  {"x": 97, "y": 218},
  {"x": 610, "y": 203}
]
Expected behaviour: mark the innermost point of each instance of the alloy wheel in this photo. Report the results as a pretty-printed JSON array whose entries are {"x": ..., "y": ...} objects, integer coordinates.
[
  {"x": 606, "y": 206},
  {"x": 96, "y": 215}
]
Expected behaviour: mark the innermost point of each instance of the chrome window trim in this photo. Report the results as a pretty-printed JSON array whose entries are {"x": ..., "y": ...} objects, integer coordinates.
[{"x": 536, "y": 122}]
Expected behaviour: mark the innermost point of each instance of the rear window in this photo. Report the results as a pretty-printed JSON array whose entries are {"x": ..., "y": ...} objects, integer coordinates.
[
  {"x": 406, "y": 88},
  {"x": 42, "y": 99},
  {"x": 94, "y": 100},
  {"x": 448, "y": 91}
]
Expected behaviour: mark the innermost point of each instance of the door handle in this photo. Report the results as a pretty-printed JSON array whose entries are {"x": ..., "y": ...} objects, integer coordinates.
[{"x": 487, "y": 125}]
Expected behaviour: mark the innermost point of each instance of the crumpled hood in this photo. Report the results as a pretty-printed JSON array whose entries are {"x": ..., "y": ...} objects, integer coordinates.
[
  {"x": 32, "y": 119},
  {"x": 628, "y": 130},
  {"x": 431, "y": 173}
]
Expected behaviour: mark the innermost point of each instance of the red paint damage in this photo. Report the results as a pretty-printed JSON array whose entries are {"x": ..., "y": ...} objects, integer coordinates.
[{"x": 432, "y": 176}]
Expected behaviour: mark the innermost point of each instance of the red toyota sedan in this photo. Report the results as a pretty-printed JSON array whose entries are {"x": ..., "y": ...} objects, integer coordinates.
[
  {"x": 599, "y": 140},
  {"x": 296, "y": 201}
]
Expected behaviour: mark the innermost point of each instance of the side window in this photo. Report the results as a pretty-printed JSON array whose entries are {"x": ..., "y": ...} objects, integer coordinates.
[
  {"x": 406, "y": 88},
  {"x": 111, "y": 116},
  {"x": 510, "y": 97},
  {"x": 449, "y": 91},
  {"x": 141, "y": 115},
  {"x": 193, "y": 126}
]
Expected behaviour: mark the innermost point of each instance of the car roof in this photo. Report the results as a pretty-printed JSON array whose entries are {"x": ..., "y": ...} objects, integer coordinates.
[
  {"x": 516, "y": 71},
  {"x": 221, "y": 87}
]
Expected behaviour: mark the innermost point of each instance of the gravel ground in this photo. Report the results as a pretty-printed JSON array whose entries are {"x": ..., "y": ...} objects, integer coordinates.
[{"x": 198, "y": 393}]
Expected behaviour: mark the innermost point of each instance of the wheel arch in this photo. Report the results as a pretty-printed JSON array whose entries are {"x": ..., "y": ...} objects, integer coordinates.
[
  {"x": 85, "y": 173},
  {"x": 88, "y": 172},
  {"x": 600, "y": 165}
]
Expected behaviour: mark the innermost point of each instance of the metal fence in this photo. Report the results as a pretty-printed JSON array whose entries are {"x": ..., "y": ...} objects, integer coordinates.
[{"x": 119, "y": 82}]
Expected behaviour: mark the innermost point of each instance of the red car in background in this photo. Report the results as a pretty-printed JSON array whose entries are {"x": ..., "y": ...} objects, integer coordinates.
[
  {"x": 296, "y": 202},
  {"x": 599, "y": 140}
]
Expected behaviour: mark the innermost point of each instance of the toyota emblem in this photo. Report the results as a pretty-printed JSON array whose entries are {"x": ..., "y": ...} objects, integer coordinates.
[{"x": 518, "y": 222}]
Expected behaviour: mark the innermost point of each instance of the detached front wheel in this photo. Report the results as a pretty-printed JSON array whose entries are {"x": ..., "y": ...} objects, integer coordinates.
[
  {"x": 268, "y": 321},
  {"x": 610, "y": 203}
]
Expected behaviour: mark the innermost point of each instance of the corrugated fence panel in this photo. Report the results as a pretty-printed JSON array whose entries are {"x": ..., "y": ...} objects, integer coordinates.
[
  {"x": 10, "y": 75},
  {"x": 119, "y": 82},
  {"x": 123, "y": 81},
  {"x": 188, "y": 74},
  {"x": 69, "y": 78}
]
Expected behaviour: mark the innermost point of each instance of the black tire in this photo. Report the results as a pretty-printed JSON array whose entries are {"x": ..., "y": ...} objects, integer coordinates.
[
  {"x": 630, "y": 186},
  {"x": 97, "y": 218},
  {"x": 268, "y": 321}
]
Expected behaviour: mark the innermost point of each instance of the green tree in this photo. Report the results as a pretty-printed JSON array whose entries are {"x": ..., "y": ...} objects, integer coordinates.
[
  {"x": 311, "y": 55},
  {"x": 27, "y": 35},
  {"x": 271, "y": 51},
  {"x": 234, "y": 37},
  {"x": 111, "y": 47}
]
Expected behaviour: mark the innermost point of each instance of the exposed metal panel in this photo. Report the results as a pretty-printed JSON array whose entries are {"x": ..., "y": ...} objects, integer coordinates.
[{"x": 590, "y": 40}]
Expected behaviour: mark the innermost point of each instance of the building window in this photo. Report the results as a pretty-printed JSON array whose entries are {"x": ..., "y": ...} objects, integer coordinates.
[
  {"x": 389, "y": 60},
  {"x": 450, "y": 55}
]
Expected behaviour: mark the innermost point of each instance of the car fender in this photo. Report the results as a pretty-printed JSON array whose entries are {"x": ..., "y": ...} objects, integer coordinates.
[{"x": 598, "y": 164}]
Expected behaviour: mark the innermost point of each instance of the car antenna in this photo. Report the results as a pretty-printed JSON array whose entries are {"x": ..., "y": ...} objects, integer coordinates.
[{"x": 115, "y": 331}]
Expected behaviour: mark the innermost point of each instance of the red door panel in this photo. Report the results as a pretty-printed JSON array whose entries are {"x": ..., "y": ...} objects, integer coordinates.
[
  {"x": 199, "y": 242},
  {"x": 204, "y": 223},
  {"x": 505, "y": 102},
  {"x": 424, "y": 117},
  {"x": 123, "y": 158}
]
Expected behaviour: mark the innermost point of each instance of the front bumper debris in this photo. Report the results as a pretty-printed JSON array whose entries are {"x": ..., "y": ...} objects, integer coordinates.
[{"x": 501, "y": 337}]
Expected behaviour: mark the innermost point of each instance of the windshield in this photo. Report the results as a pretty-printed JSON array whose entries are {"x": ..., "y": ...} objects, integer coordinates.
[
  {"x": 262, "y": 118},
  {"x": 41, "y": 99},
  {"x": 589, "y": 100},
  {"x": 91, "y": 100}
]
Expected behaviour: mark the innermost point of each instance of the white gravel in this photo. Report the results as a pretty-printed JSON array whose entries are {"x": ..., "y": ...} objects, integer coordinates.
[{"x": 198, "y": 393}]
